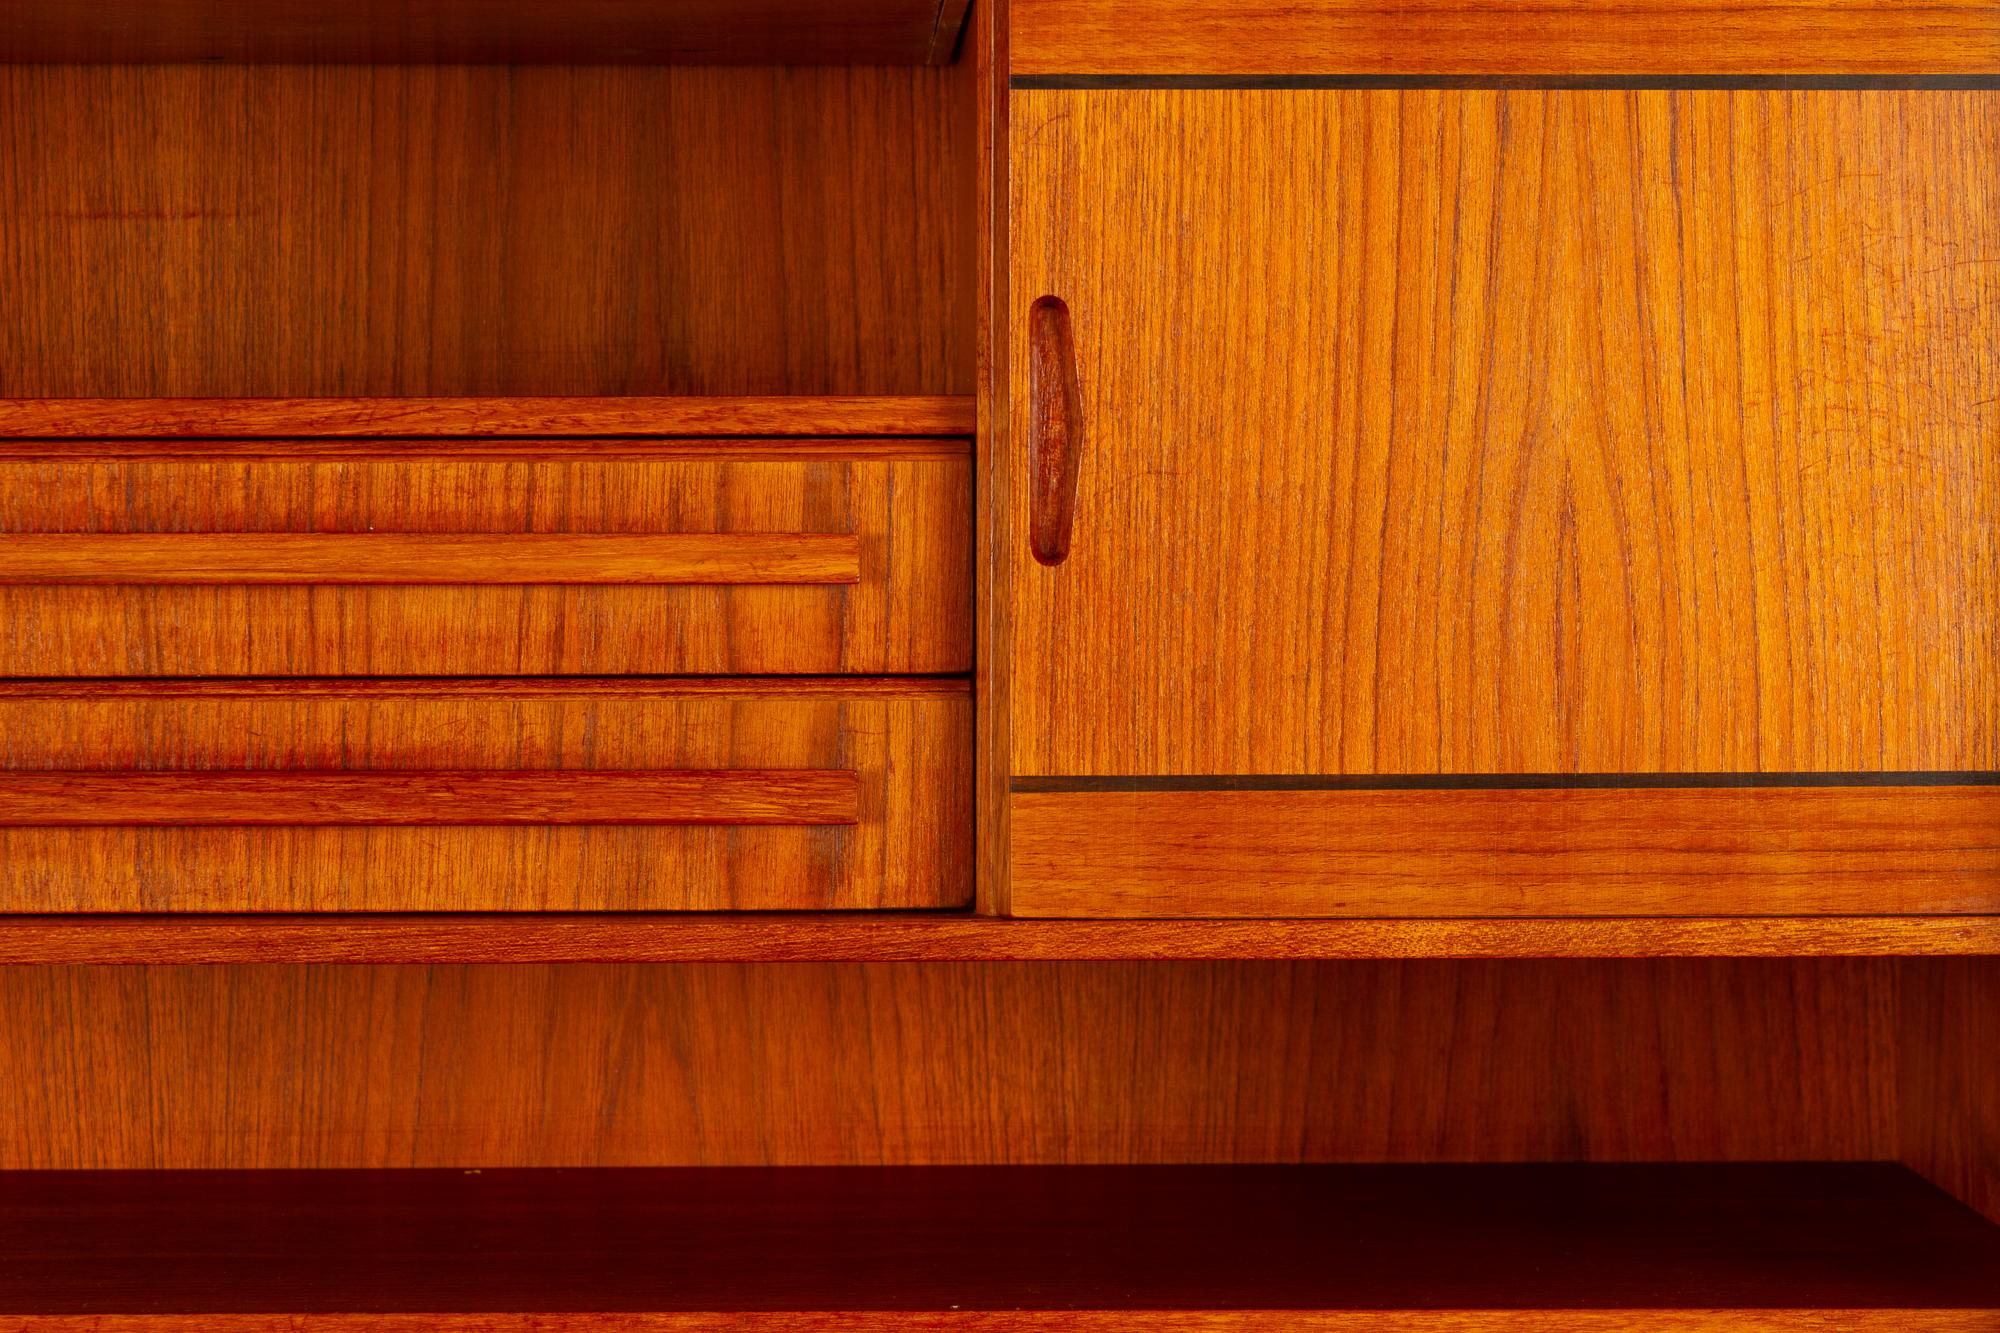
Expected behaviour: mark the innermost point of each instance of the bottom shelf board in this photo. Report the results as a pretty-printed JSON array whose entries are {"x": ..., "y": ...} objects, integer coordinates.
[{"x": 1780, "y": 1245}]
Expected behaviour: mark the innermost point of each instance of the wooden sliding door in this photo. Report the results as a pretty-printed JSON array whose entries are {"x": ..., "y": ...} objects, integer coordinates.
[{"x": 1407, "y": 442}]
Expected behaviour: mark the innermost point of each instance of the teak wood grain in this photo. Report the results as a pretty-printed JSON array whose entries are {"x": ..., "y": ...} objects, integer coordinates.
[
  {"x": 1515, "y": 432},
  {"x": 349, "y": 771},
  {"x": 1462, "y": 37},
  {"x": 1593, "y": 852},
  {"x": 506, "y": 32},
  {"x": 107, "y": 420},
  {"x": 298, "y": 231},
  {"x": 987, "y": 29},
  {"x": 930, "y": 1063},
  {"x": 208, "y": 798},
  {"x": 1800, "y": 1236},
  {"x": 421, "y": 558},
  {"x": 415, "y": 558},
  {"x": 939, "y": 937}
]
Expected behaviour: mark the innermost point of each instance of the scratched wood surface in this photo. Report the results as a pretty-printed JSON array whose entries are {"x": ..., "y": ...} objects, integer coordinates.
[
  {"x": 895, "y": 596},
  {"x": 907, "y": 742},
  {"x": 1514, "y": 432},
  {"x": 299, "y": 230}
]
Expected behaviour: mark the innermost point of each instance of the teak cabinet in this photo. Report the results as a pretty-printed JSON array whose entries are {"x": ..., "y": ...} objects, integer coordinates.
[{"x": 679, "y": 665}]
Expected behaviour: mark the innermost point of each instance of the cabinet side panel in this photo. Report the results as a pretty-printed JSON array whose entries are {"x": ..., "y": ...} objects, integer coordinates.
[{"x": 1949, "y": 1087}]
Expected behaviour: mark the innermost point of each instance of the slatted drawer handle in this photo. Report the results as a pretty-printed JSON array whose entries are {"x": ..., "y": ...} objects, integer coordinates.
[
  {"x": 429, "y": 797},
  {"x": 405, "y": 558}
]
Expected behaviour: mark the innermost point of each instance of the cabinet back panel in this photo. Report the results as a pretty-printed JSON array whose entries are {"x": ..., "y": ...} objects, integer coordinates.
[
  {"x": 717, "y": 1064},
  {"x": 395, "y": 230},
  {"x": 1517, "y": 432}
]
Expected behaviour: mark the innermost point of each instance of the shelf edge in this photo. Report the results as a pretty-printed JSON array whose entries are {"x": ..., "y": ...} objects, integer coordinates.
[{"x": 390, "y": 938}]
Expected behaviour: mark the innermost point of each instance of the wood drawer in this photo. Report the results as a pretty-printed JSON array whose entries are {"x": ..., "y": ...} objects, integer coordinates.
[
  {"x": 484, "y": 796},
  {"x": 333, "y": 558}
]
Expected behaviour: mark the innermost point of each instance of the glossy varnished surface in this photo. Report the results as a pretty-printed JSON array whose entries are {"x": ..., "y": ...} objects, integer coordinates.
[
  {"x": 1803, "y": 1236},
  {"x": 904, "y": 839},
  {"x": 294, "y": 558},
  {"x": 402, "y": 230},
  {"x": 1444, "y": 37},
  {"x": 1515, "y": 432}
]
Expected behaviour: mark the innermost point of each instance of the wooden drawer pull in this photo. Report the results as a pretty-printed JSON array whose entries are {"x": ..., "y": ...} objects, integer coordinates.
[
  {"x": 329, "y": 558},
  {"x": 1055, "y": 430},
  {"x": 278, "y": 797}
]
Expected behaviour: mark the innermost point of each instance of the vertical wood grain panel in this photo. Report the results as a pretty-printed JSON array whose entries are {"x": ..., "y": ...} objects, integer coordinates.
[
  {"x": 1516, "y": 431},
  {"x": 929, "y": 1063},
  {"x": 1948, "y": 1054},
  {"x": 401, "y": 230},
  {"x": 987, "y": 34}
]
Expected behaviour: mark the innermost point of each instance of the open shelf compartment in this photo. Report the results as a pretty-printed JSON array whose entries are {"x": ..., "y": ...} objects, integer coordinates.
[{"x": 1531, "y": 1246}]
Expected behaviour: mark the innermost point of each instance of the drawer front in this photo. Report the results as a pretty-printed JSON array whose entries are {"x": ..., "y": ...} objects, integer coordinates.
[
  {"x": 234, "y": 559},
  {"x": 1474, "y": 37},
  {"x": 1485, "y": 434},
  {"x": 484, "y": 796},
  {"x": 1294, "y": 848}
]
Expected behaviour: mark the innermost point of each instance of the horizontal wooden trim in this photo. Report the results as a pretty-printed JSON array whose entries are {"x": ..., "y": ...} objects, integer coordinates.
[
  {"x": 749, "y": 449},
  {"x": 690, "y": 937},
  {"x": 1494, "y": 781},
  {"x": 729, "y": 796},
  {"x": 1549, "y": 38},
  {"x": 1522, "y": 852},
  {"x": 406, "y": 558},
  {"x": 251, "y": 418},
  {"x": 501, "y": 687},
  {"x": 1505, "y": 82}
]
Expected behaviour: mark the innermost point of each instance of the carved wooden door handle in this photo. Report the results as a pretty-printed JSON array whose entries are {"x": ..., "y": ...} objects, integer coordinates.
[{"x": 1055, "y": 430}]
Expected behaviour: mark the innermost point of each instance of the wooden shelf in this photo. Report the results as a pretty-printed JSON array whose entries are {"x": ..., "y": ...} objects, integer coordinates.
[
  {"x": 429, "y": 418},
  {"x": 776, "y": 32},
  {"x": 943, "y": 937},
  {"x": 1535, "y": 1246}
]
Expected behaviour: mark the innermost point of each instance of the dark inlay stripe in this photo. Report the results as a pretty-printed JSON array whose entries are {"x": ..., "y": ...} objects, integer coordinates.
[
  {"x": 1604, "y": 82},
  {"x": 1495, "y": 781}
]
